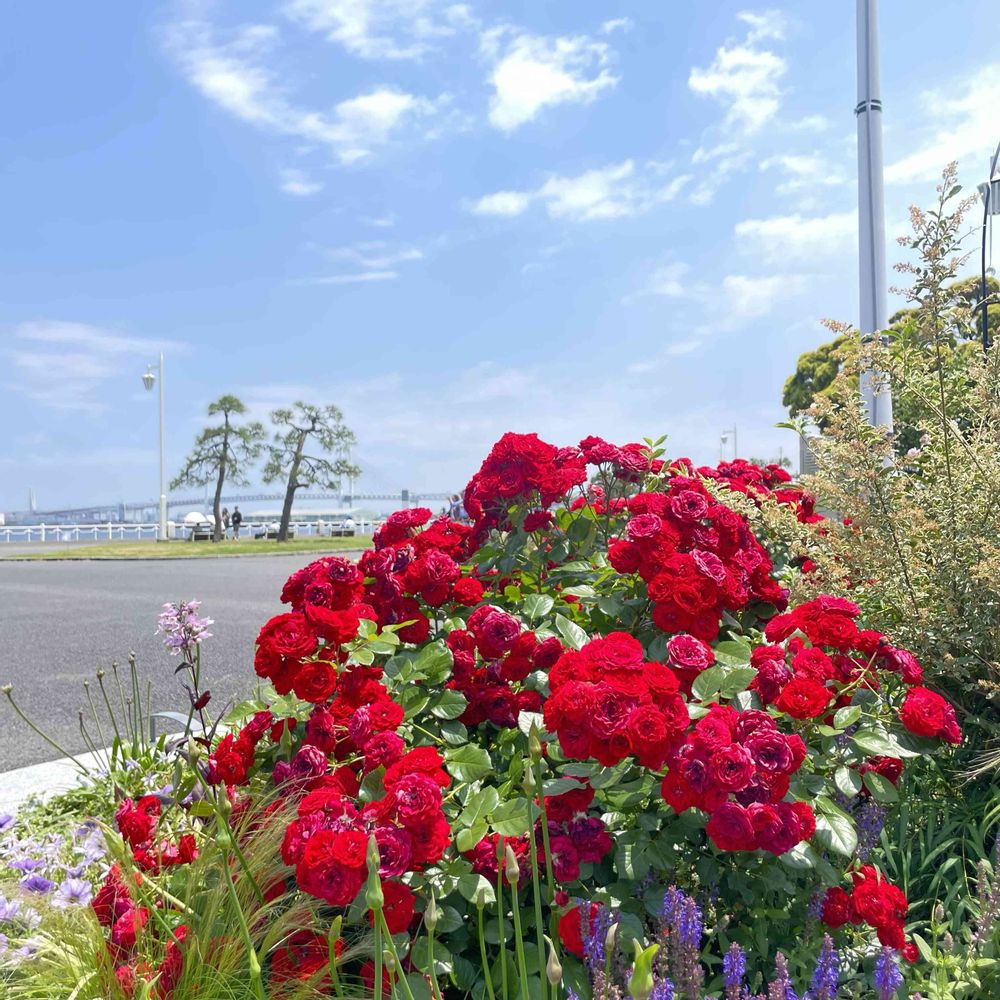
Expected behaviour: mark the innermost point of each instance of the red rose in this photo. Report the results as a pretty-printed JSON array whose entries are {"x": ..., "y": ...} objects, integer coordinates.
[
  {"x": 687, "y": 651},
  {"x": 495, "y": 631},
  {"x": 803, "y": 698},
  {"x": 624, "y": 557},
  {"x": 398, "y": 907},
  {"x": 315, "y": 681},
  {"x": 838, "y": 909},
  {"x": 609, "y": 712},
  {"x": 467, "y": 591},
  {"x": 572, "y": 929},
  {"x": 320, "y": 874},
  {"x": 731, "y": 767},
  {"x": 137, "y": 820},
  {"x": 731, "y": 828},
  {"x": 289, "y": 635},
  {"x": 417, "y": 799},
  {"x": 335, "y": 627},
  {"x": 615, "y": 651},
  {"x": 350, "y": 848},
  {"x": 923, "y": 712},
  {"x": 648, "y": 735}
]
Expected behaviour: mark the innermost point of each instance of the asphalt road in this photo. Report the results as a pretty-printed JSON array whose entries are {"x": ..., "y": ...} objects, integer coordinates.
[{"x": 60, "y": 621}]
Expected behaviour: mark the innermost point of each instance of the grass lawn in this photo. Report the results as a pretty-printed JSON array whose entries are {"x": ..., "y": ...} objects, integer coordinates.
[{"x": 195, "y": 550}]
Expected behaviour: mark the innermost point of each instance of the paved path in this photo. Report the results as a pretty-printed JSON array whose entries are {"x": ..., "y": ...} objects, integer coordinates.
[{"x": 59, "y": 621}]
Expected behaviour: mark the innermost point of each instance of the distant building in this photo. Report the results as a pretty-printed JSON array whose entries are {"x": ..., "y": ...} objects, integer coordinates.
[{"x": 807, "y": 458}]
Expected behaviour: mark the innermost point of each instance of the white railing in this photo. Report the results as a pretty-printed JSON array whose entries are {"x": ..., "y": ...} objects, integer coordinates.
[{"x": 115, "y": 532}]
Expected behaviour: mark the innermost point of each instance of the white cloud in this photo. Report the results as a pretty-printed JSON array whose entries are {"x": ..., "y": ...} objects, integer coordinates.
[
  {"x": 798, "y": 239},
  {"x": 298, "y": 183},
  {"x": 371, "y": 261},
  {"x": 667, "y": 280},
  {"x": 381, "y": 29},
  {"x": 744, "y": 76},
  {"x": 960, "y": 123},
  {"x": 236, "y": 76},
  {"x": 810, "y": 123},
  {"x": 65, "y": 365},
  {"x": 617, "y": 24},
  {"x": 803, "y": 171},
  {"x": 614, "y": 191},
  {"x": 749, "y": 297},
  {"x": 506, "y": 203},
  {"x": 362, "y": 277},
  {"x": 532, "y": 72}
]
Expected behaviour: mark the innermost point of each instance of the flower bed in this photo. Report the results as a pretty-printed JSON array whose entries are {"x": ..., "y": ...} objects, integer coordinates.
[{"x": 576, "y": 745}]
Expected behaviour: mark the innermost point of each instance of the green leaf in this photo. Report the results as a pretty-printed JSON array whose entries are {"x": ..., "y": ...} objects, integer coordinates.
[
  {"x": 449, "y": 705},
  {"x": 872, "y": 742},
  {"x": 732, "y": 652},
  {"x": 611, "y": 606},
  {"x": 536, "y": 606},
  {"x": 511, "y": 818},
  {"x": 847, "y": 716},
  {"x": 881, "y": 787},
  {"x": 837, "y": 834},
  {"x": 559, "y": 786},
  {"x": 847, "y": 782},
  {"x": 468, "y": 763},
  {"x": 574, "y": 635},
  {"x": 468, "y": 837},
  {"x": 736, "y": 681},
  {"x": 706, "y": 685},
  {"x": 799, "y": 857},
  {"x": 479, "y": 806},
  {"x": 470, "y": 884}
]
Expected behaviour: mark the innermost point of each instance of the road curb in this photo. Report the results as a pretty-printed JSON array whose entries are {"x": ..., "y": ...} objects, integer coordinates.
[
  {"x": 319, "y": 553},
  {"x": 43, "y": 780}
]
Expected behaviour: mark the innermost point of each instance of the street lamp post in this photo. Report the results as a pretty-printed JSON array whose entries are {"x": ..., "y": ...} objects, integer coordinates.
[
  {"x": 149, "y": 380},
  {"x": 991, "y": 206},
  {"x": 871, "y": 211}
]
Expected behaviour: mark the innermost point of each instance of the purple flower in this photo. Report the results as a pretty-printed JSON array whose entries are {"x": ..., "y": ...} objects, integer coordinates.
[
  {"x": 181, "y": 628},
  {"x": 689, "y": 926},
  {"x": 595, "y": 936},
  {"x": 870, "y": 820},
  {"x": 663, "y": 990},
  {"x": 10, "y": 909},
  {"x": 6, "y": 821},
  {"x": 27, "y": 864},
  {"x": 37, "y": 883},
  {"x": 887, "y": 976},
  {"x": 827, "y": 974},
  {"x": 734, "y": 967},
  {"x": 73, "y": 892}
]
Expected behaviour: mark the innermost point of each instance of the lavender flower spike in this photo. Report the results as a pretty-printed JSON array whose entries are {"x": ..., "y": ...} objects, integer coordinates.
[
  {"x": 734, "y": 967},
  {"x": 181, "y": 627},
  {"x": 887, "y": 976},
  {"x": 827, "y": 974}
]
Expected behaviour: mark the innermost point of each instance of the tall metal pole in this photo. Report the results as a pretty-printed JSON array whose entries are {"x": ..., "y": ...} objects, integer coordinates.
[
  {"x": 163, "y": 473},
  {"x": 871, "y": 209}
]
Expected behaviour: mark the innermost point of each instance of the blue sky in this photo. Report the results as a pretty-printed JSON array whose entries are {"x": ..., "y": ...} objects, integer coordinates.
[{"x": 452, "y": 220}]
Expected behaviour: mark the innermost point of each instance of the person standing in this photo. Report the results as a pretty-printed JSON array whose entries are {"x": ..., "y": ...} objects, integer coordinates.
[
  {"x": 237, "y": 520},
  {"x": 225, "y": 523}
]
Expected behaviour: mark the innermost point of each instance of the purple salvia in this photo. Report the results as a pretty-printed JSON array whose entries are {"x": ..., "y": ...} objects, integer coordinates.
[
  {"x": 887, "y": 977},
  {"x": 988, "y": 891},
  {"x": 827, "y": 975},
  {"x": 781, "y": 988},
  {"x": 870, "y": 820},
  {"x": 734, "y": 967},
  {"x": 663, "y": 990},
  {"x": 594, "y": 937}
]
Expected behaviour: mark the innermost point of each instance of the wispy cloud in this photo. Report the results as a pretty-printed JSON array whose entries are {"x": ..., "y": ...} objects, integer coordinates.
[
  {"x": 530, "y": 73},
  {"x": 65, "y": 365},
  {"x": 745, "y": 76},
  {"x": 614, "y": 191},
  {"x": 959, "y": 123},
  {"x": 798, "y": 238},
  {"x": 617, "y": 24},
  {"x": 370, "y": 261},
  {"x": 299, "y": 183},
  {"x": 382, "y": 29},
  {"x": 804, "y": 171},
  {"x": 236, "y": 75}
]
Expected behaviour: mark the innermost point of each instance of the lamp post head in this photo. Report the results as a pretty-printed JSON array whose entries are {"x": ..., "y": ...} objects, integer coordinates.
[{"x": 148, "y": 380}]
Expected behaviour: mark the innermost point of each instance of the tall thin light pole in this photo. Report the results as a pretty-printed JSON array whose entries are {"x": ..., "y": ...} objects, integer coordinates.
[
  {"x": 989, "y": 190},
  {"x": 147, "y": 380},
  {"x": 871, "y": 210},
  {"x": 163, "y": 467}
]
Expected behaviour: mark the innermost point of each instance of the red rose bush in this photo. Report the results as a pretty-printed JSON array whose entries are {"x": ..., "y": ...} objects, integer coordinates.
[{"x": 592, "y": 691}]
